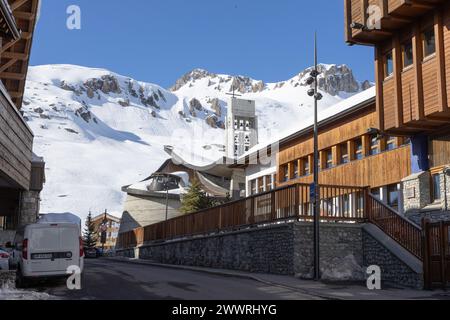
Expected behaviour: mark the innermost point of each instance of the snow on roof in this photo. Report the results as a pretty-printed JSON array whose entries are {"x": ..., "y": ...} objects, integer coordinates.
[{"x": 324, "y": 114}]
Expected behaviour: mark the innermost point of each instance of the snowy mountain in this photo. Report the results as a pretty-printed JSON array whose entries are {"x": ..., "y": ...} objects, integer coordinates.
[{"x": 99, "y": 131}]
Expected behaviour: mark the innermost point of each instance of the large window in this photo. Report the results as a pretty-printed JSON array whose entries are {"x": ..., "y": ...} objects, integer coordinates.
[
  {"x": 305, "y": 164},
  {"x": 436, "y": 189},
  {"x": 359, "y": 152},
  {"x": 393, "y": 196},
  {"x": 429, "y": 42},
  {"x": 374, "y": 145},
  {"x": 253, "y": 186},
  {"x": 407, "y": 51},
  {"x": 296, "y": 168},
  {"x": 344, "y": 153},
  {"x": 391, "y": 143},
  {"x": 388, "y": 65},
  {"x": 328, "y": 158},
  {"x": 285, "y": 173}
]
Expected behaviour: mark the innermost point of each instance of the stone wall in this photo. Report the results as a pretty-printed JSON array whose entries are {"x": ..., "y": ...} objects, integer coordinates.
[
  {"x": 261, "y": 250},
  {"x": 29, "y": 207},
  {"x": 393, "y": 270},
  {"x": 341, "y": 252},
  {"x": 416, "y": 191},
  {"x": 285, "y": 249}
]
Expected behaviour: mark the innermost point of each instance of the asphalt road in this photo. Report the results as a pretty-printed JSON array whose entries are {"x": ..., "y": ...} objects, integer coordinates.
[{"x": 105, "y": 279}]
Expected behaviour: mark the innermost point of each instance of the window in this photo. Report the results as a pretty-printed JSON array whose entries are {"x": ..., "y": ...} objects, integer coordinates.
[
  {"x": 261, "y": 185},
  {"x": 344, "y": 153},
  {"x": 359, "y": 152},
  {"x": 376, "y": 192},
  {"x": 253, "y": 187},
  {"x": 407, "y": 54},
  {"x": 393, "y": 196},
  {"x": 305, "y": 163},
  {"x": 296, "y": 172},
  {"x": 269, "y": 183},
  {"x": 429, "y": 42},
  {"x": 374, "y": 145},
  {"x": 388, "y": 65},
  {"x": 285, "y": 173},
  {"x": 391, "y": 144},
  {"x": 436, "y": 189},
  {"x": 328, "y": 158},
  {"x": 406, "y": 141}
]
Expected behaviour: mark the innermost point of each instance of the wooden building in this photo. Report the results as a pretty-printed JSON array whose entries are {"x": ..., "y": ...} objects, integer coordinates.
[
  {"x": 21, "y": 172},
  {"x": 112, "y": 225},
  {"x": 411, "y": 41}
]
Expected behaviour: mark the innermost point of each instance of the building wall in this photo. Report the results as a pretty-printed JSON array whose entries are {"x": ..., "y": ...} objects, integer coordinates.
[{"x": 141, "y": 211}]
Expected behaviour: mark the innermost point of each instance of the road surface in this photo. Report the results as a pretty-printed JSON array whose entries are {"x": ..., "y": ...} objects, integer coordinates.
[{"x": 106, "y": 279}]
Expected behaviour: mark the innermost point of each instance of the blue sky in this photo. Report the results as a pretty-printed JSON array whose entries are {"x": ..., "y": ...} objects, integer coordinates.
[{"x": 160, "y": 40}]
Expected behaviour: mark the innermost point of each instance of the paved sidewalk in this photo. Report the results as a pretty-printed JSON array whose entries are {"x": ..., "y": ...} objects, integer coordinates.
[{"x": 337, "y": 291}]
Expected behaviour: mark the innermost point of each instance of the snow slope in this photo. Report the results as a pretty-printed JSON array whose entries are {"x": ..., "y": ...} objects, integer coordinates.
[{"x": 99, "y": 131}]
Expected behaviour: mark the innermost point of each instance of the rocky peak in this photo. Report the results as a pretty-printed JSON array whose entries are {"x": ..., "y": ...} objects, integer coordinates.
[
  {"x": 333, "y": 79},
  {"x": 193, "y": 75}
]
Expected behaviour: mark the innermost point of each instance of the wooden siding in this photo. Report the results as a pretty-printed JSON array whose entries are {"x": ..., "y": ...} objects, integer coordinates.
[
  {"x": 440, "y": 151},
  {"x": 429, "y": 80},
  {"x": 335, "y": 134},
  {"x": 409, "y": 95},
  {"x": 389, "y": 103},
  {"x": 375, "y": 171},
  {"x": 16, "y": 142}
]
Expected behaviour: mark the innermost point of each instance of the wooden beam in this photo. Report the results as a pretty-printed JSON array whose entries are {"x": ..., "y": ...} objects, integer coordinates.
[
  {"x": 379, "y": 76},
  {"x": 397, "y": 62},
  {"x": 12, "y": 76},
  {"x": 15, "y": 55},
  {"x": 17, "y": 4},
  {"x": 10, "y": 63},
  {"x": 419, "y": 112},
  {"x": 23, "y": 15},
  {"x": 440, "y": 57}
]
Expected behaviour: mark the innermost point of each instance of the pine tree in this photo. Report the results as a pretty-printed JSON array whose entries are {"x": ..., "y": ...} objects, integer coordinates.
[
  {"x": 195, "y": 199},
  {"x": 89, "y": 234}
]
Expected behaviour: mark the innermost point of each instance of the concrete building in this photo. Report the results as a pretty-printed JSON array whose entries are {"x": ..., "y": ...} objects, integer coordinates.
[{"x": 241, "y": 127}]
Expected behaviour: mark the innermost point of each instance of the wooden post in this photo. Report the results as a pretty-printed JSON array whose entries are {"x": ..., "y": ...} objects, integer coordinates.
[
  {"x": 273, "y": 212},
  {"x": 426, "y": 254},
  {"x": 297, "y": 201}
]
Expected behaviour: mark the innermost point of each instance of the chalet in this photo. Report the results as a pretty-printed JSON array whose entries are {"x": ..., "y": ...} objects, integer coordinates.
[
  {"x": 411, "y": 41},
  {"x": 21, "y": 172},
  {"x": 111, "y": 230}
]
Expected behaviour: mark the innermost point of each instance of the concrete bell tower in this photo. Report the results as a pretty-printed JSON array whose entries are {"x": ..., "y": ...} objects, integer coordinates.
[{"x": 242, "y": 127}]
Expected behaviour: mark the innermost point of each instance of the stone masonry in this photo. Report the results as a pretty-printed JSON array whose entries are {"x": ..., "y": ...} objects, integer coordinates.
[
  {"x": 393, "y": 270},
  {"x": 29, "y": 208},
  {"x": 416, "y": 191},
  {"x": 286, "y": 249}
]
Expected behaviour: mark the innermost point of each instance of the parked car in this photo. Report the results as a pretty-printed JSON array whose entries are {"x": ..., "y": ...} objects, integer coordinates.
[
  {"x": 42, "y": 251},
  {"x": 4, "y": 259}
]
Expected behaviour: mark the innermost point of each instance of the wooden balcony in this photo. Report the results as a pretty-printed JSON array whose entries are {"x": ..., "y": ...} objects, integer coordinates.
[
  {"x": 394, "y": 15},
  {"x": 16, "y": 140}
]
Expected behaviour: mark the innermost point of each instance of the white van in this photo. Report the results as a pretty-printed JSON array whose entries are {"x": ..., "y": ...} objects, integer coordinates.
[{"x": 46, "y": 251}]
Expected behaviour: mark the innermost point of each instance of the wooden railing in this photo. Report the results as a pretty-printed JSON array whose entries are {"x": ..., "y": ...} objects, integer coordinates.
[
  {"x": 337, "y": 204},
  {"x": 402, "y": 230}
]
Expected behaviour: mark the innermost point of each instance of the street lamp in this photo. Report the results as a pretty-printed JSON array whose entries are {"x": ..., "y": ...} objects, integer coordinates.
[{"x": 315, "y": 192}]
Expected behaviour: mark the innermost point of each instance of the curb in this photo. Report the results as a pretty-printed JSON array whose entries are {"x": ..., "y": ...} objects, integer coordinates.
[{"x": 225, "y": 274}]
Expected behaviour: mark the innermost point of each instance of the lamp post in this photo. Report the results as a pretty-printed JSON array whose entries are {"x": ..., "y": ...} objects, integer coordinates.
[{"x": 315, "y": 193}]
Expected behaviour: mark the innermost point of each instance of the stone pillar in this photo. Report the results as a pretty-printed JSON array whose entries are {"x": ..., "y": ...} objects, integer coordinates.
[
  {"x": 445, "y": 189},
  {"x": 29, "y": 210},
  {"x": 416, "y": 191}
]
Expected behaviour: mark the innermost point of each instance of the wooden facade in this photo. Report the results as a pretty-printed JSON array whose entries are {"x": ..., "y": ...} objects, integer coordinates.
[
  {"x": 348, "y": 154},
  {"x": 18, "y": 171},
  {"x": 412, "y": 54}
]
